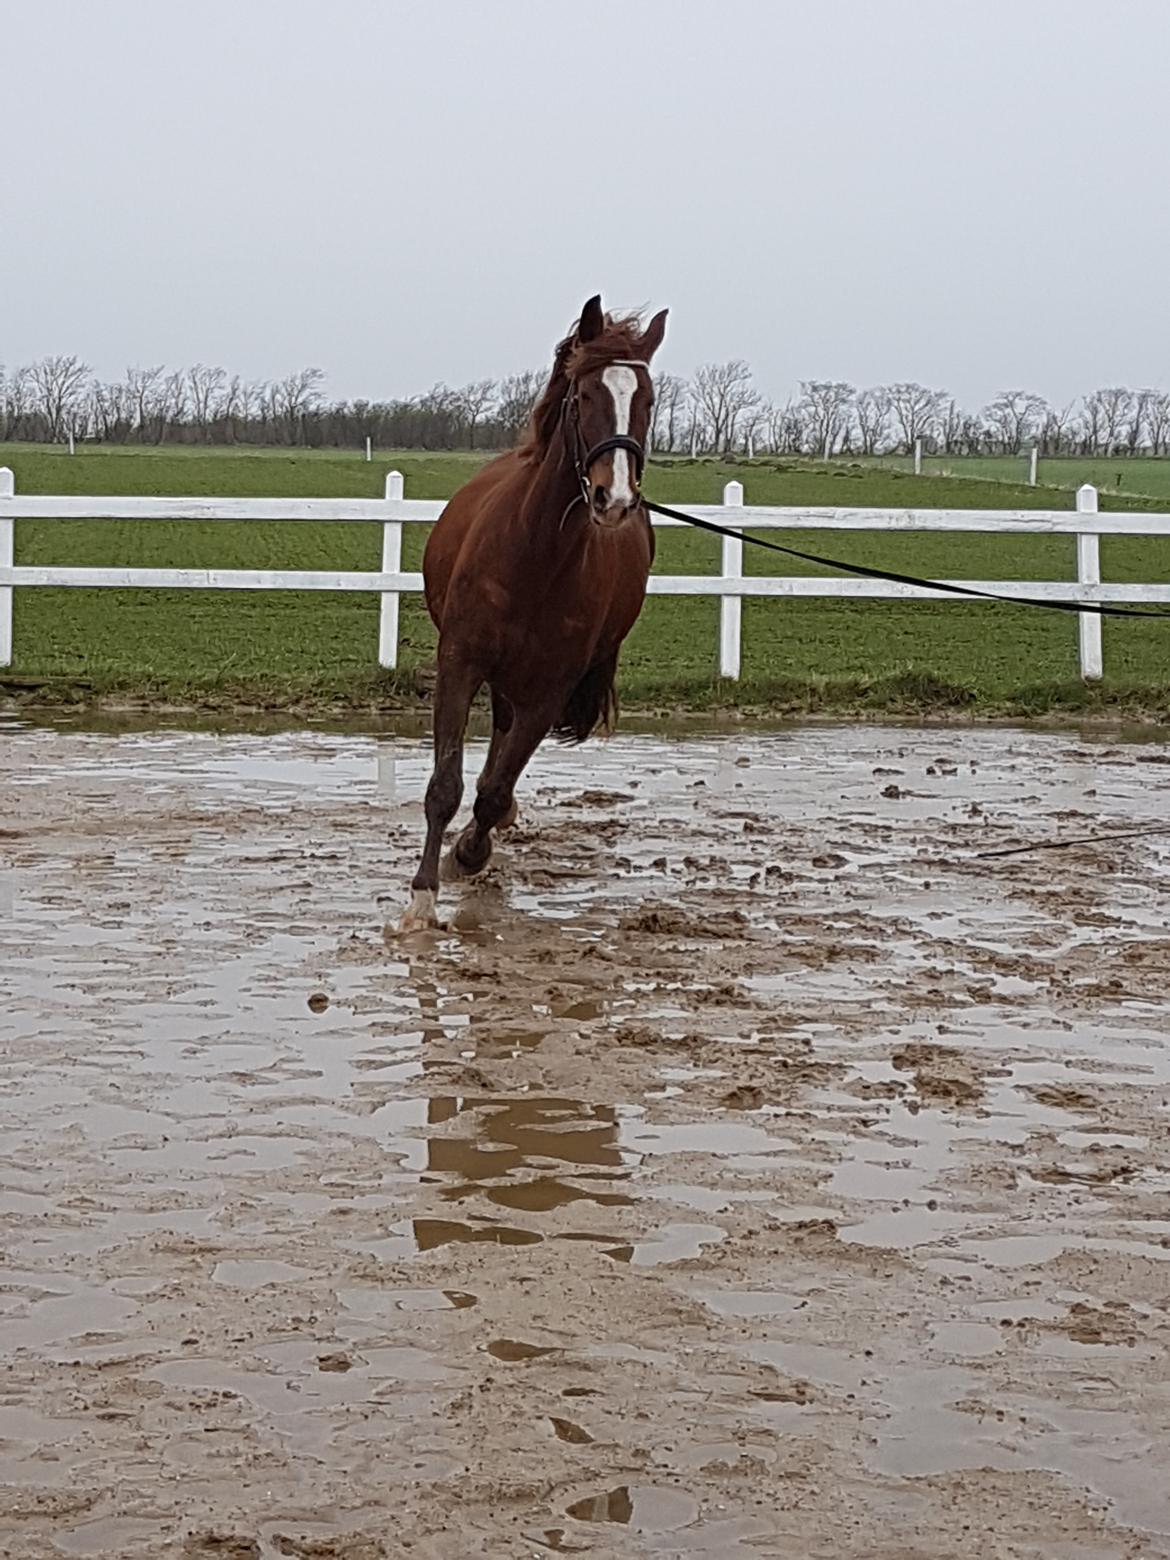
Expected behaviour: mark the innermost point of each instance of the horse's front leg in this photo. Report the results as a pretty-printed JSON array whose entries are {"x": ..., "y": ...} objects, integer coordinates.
[
  {"x": 495, "y": 802},
  {"x": 502, "y": 717},
  {"x": 454, "y": 691}
]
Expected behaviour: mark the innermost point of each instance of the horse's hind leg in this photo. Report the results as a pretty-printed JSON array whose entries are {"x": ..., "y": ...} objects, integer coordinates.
[
  {"x": 454, "y": 692},
  {"x": 495, "y": 802}
]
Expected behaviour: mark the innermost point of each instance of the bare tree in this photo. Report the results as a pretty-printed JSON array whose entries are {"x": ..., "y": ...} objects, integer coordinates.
[
  {"x": 722, "y": 393},
  {"x": 753, "y": 426},
  {"x": 1135, "y": 434},
  {"x": 670, "y": 395},
  {"x": 1106, "y": 413},
  {"x": 827, "y": 410},
  {"x": 170, "y": 404},
  {"x": 253, "y": 401},
  {"x": 519, "y": 394},
  {"x": 949, "y": 427},
  {"x": 872, "y": 414},
  {"x": 915, "y": 411},
  {"x": 58, "y": 386},
  {"x": 204, "y": 388},
  {"x": 1056, "y": 428},
  {"x": 1158, "y": 421},
  {"x": 291, "y": 398},
  {"x": 1014, "y": 418},
  {"x": 227, "y": 409},
  {"x": 785, "y": 430},
  {"x": 440, "y": 417},
  {"x": 16, "y": 403},
  {"x": 475, "y": 401},
  {"x": 142, "y": 389},
  {"x": 112, "y": 406}
]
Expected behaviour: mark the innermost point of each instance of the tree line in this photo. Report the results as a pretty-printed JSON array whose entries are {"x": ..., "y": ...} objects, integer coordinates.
[{"x": 717, "y": 411}]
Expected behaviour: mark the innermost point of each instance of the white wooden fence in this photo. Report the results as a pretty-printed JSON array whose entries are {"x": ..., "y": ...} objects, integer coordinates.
[{"x": 731, "y": 585}]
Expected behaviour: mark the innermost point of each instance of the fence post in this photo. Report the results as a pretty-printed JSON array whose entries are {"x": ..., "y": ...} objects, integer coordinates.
[
  {"x": 1089, "y": 573},
  {"x": 917, "y": 457},
  {"x": 7, "y": 553},
  {"x": 731, "y": 607},
  {"x": 1034, "y": 463},
  {"x": 391, "y": 564}
]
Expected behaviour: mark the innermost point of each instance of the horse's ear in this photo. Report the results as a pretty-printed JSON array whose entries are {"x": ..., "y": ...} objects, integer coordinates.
[
  {"x": 652, "y": 339},
  {"x": 592, "y": 319}
]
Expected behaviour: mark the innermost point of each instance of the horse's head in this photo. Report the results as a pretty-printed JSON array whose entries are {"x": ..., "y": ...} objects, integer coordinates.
[{"x": 609, "y": 404}]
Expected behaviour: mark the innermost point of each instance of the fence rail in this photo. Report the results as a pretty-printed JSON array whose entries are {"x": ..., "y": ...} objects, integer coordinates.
[{"x": 730, "y": 586}]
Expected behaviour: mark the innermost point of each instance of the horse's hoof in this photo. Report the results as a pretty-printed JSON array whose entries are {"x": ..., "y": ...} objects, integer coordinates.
[
  {"x": 452, "y": 870},
  {"x": 421, "y": 914},
  {"x": 510, "y": 816}
]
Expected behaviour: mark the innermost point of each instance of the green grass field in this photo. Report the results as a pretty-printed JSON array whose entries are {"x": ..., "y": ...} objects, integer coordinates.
[
  {"x": 1138, "y": 477},
  {"x": 280, "y": 648}
]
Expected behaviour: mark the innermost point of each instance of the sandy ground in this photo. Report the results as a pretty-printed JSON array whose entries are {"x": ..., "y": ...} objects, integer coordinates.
[{"x": 754, "y": 1169}]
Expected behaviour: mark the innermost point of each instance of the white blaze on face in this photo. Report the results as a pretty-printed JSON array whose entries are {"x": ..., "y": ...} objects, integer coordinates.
[{"x": 622, "y": 383}]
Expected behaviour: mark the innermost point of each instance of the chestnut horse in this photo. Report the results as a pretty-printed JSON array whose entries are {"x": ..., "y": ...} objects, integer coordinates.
[{"x": 535, "y": 573}]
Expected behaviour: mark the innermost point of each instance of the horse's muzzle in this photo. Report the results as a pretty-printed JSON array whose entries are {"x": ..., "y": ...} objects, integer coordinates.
[{"x": 609, "y": 512}]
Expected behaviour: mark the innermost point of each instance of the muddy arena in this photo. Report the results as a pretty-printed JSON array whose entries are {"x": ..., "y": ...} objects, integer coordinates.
[{"x": 771, "y": 1159}]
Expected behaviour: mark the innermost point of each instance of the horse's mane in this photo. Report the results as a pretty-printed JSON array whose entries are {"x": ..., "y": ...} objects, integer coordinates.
[{"x": 621, "y": 337}]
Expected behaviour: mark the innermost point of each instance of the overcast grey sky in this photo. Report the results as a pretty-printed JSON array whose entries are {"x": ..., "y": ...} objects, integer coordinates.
[{"x": 968, "y": 194}]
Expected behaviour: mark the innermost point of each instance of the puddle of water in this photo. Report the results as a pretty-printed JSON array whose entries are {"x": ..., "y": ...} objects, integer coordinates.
[
  {"x": 410, "y": 1237},
  {"x": 31, "y": 1428},
  {"x": 257, "y": 1274},
  {"x": 1012, "y": 1251},
  {"x": 71, "y": 1309},
  {"x": 375, "y": 1304},
  {"x": 111, "y": 1535},
  {"x": 300, "y": 1382},
  {"x": 539, "y": 1195},
  {"x": 673, "y": 1243},
  {"x": 512, "y": 1349},
  {"x": 644, "y": 1508},
  {"x": 921, "y": 1426},
  {"x": 432, "y": 1233},
  {"x": 968, "y": 1340},
  {"x": 554, "y": 1539},
  {"x": 749, "y": 1302},
  {"x": 724, "y": 1139},
  {"x": 338, "y": 1375},
  {"x": 522, "y": 1132},
  {"x": 904, "y": 1228}
]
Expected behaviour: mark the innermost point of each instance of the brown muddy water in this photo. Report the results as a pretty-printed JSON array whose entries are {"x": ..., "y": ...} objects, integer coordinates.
[{"x": 753, "y": 1169}]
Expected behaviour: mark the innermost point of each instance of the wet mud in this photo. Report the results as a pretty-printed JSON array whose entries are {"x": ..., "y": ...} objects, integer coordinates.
[{"x": 754, "y": 1167}]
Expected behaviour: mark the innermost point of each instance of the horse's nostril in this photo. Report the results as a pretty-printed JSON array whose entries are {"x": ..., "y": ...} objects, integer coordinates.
[{"x": 600, "y": 498}]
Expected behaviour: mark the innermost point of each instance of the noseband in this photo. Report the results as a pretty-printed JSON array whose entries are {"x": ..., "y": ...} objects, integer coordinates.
[{"x": 584, "y": 459}]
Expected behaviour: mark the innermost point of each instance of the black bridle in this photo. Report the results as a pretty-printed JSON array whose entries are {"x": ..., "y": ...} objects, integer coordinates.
[{"x": 585, "y": 457}]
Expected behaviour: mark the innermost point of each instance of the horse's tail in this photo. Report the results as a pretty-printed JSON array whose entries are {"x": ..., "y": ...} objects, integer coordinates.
[{"x": 592, "y": 703}]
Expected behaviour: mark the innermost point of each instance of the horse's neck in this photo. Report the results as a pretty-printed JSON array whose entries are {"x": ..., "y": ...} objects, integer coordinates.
[{"x": 552, "y": 511}]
